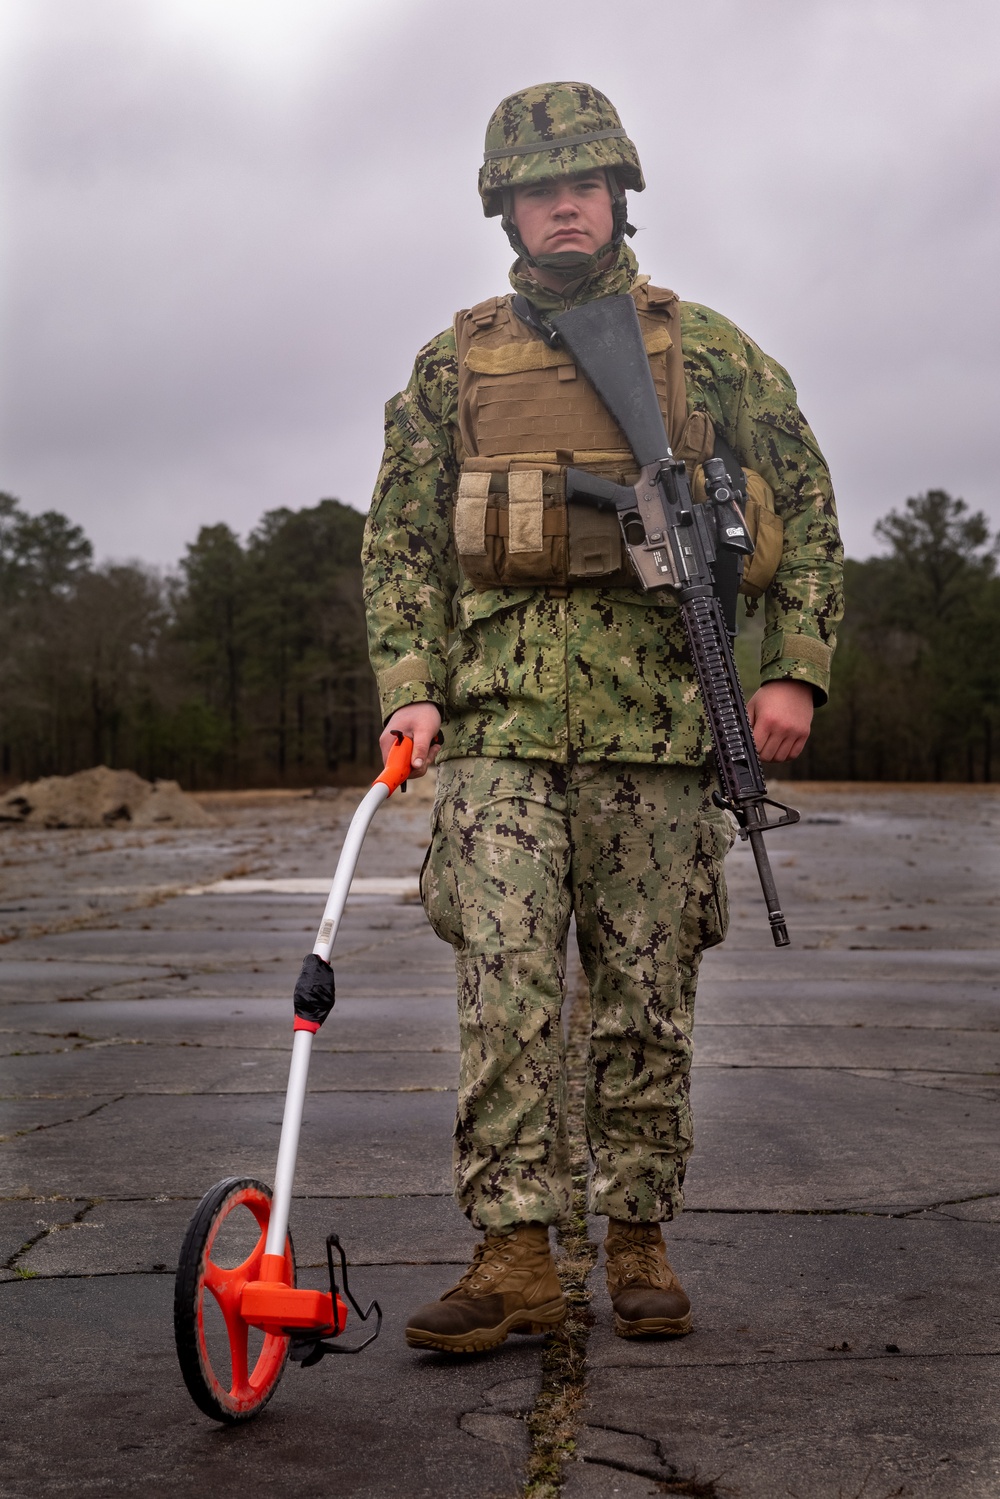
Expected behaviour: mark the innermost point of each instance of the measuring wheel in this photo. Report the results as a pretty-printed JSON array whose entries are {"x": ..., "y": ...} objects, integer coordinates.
[
  {"x": 230, "y": 1367},
  {"x": 234, "y": 1342}
]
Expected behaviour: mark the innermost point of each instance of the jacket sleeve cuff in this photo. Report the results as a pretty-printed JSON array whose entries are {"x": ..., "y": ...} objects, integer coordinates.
[
  {"x": 410, "y": 680},
  {"x": 787, "y": 656}
]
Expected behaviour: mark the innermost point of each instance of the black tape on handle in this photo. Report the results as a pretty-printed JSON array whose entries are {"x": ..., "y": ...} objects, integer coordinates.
[{"x": 314, "y": 991}]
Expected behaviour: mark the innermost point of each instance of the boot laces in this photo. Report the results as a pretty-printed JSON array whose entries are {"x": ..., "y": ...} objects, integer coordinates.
[
  {"x": 641, "y": 1264},
  {"x": 489, "y": 1261}
]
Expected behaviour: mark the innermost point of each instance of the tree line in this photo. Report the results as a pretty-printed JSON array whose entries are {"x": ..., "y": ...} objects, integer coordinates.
[
  {"x": 247, "y": 664},
  {"x": 915, "y": 694}
]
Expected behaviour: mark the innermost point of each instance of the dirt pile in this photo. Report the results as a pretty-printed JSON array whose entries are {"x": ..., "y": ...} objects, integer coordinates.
[{"x": 102, "y": 798}]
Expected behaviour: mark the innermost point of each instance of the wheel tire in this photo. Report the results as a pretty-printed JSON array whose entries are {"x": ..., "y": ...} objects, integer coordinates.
[{"x": 239, "y": 1392}]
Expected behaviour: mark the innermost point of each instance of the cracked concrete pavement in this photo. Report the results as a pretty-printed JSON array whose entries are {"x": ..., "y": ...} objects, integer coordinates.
[{"x": 844, "y": 1196}]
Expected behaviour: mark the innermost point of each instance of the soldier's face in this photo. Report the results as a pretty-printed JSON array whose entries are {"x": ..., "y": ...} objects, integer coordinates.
[{"x": 566, "y": 213}]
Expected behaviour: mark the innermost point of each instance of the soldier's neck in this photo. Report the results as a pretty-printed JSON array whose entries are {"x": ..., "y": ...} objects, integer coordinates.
[
  {"x": 566, "y": 284},
  {"x": 617, "y": 277}
]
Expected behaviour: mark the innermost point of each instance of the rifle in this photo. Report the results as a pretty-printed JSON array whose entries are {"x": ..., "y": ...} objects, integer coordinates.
[{"x": 674, "y": 543}]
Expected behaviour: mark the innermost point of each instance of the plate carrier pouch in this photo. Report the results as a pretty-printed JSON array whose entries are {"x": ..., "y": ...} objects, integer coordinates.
[{"x": 526, "y": 414}]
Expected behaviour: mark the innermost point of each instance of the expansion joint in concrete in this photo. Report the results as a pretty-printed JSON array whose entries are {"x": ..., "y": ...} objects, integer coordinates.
[{"x": 554, "y": 1419}]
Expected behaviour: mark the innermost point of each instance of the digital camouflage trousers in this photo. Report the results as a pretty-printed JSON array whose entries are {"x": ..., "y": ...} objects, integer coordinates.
[{"x": 635, "y": 853}]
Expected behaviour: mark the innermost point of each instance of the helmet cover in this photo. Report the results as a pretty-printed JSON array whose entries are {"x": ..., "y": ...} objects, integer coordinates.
[{"x": 552, "y": 130}]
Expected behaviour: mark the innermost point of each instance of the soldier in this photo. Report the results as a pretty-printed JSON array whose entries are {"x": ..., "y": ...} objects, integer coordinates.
[{"x": 575, "y": 777}]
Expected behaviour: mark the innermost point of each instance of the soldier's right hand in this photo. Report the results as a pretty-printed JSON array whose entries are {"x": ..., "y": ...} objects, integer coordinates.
[{"x": 419, "y": 722}]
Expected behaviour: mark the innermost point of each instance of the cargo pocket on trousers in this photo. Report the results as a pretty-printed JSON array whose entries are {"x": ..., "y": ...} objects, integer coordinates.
[
  {"x": 439, "y": 887},
  {"x": 706, "y": 913}
]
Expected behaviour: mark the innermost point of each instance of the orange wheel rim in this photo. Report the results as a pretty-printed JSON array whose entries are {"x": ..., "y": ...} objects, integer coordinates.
[{"x": 247, "y": 1385}]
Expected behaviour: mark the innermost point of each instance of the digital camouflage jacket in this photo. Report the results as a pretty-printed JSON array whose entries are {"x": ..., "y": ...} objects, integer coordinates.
[{"x": 602, "y": 673}]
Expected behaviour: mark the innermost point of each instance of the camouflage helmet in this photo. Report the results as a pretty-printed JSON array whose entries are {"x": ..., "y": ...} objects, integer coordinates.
[{"x": 551, "y": 130}]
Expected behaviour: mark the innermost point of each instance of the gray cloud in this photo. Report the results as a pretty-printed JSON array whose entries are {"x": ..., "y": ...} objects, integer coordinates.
[{"x": 220, "y": 266}]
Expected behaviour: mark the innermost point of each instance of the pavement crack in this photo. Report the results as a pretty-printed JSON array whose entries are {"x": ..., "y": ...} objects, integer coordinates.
[
  {"x": 81, "y": 1043},
  {"x": 621, "y": 1450},
  {"x": 884, "y": 1212},
  {"x": 175, "y": 1092},
  {"x": 985, "y": 1094},
  {"x": 690, "y": 1484},
  {"x": 91, "y": 921},
  {"x": 841, "y": 1025},
  {"x": 872, "y": 1074},
  {"x": 43, "y": 1233},
  {"x": 37, "y": 1129},
  {"x": 150, "y": 1272},
  {"x": 900, "y": 1355},
  {"x": 953, "y": 1202}
]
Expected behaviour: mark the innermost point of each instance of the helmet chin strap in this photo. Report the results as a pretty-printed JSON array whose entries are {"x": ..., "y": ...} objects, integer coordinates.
[{"x": 573, "y": 264}]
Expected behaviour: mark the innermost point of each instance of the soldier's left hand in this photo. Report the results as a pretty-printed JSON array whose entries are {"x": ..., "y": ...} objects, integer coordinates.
[{"x": 780, "y": 715}]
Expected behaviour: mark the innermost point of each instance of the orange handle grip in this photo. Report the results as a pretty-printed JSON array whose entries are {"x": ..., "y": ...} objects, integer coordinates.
[{"x": 397, "y": 767}]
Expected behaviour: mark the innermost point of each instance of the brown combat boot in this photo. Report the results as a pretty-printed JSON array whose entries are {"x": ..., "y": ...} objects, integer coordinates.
[
  {"x": 511, "y": 1286},
  {"x": 647, "y": 1297}
]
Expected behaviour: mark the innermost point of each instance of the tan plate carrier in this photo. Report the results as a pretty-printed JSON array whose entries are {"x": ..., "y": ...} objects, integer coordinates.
[{"x": 526, "y": 414}]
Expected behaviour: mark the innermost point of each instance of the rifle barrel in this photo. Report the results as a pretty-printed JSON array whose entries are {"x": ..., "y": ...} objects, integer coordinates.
[{"x": 779, "y": 931}]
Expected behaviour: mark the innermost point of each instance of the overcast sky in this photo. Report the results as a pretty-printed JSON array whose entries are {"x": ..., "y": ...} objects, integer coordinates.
[{"x": 232, "y": 223}]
